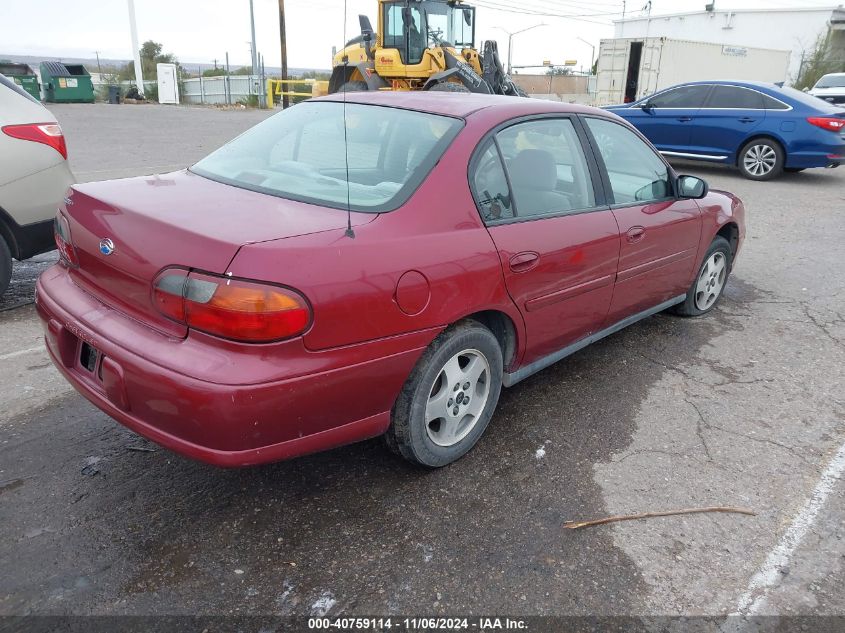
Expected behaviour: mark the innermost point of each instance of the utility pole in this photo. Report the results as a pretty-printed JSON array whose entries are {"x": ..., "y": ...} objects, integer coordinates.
[
  {"x": 136, "y": 52},
  {"x": 99, "y": 70},
  {"x": 284, "y": 44},
  {"x": 254, "y": 49},
  {"x": 592, "y": 55}
]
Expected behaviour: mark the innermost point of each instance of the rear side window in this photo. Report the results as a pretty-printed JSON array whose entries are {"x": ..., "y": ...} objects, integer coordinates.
[
  {"x": 735, "y": 98},
  {"x": 770, "y": 103},
  {"x": 302, "y": 154},
  {"x": 490, "y": 186},
  {"x": 684, "y": 97},
  {"x": 546, "y": 167},
  {"x": 635, "y": 172}
]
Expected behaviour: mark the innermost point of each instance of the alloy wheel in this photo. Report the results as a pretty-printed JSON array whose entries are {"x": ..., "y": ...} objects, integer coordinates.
[
  {"x": 711, "y": 281},
  {"x": 457, "y": 397},
  {"x": 760, "y": 160}
]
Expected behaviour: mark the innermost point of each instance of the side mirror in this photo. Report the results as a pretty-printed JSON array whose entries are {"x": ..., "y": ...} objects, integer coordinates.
[
  {"x": 806, "y": 90},
  {"x": 366, "y": 27},
  {"x": 691, "y": 187},
  {"x": 647, "y": 105},
  {"x": 468, "y": 17}
]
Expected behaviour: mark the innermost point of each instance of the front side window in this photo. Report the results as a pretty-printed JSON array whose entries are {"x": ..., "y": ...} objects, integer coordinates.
[
  {"x": 302, "y": 154},
  {"x": 636, "y": 173},
  {"x": 685, "y": 97},
  {"x": 735, "y": 98},
  {"x": 546, "y": 167}
]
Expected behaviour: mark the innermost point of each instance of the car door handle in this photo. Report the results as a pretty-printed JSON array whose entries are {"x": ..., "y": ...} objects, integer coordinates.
[
  {"x": 684, "y": 119},
  {"x": 525, "y": 261},
  {"x": 747, "y": 119},
  {"x": 635, "y": 234}
]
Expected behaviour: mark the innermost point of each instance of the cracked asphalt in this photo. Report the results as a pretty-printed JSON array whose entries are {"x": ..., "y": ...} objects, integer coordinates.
[{"x": 744, "y": 407}]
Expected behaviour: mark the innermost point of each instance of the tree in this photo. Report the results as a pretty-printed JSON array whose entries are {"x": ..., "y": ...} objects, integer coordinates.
[
  {"x": 818, "y": 62},
  {"x": 559, "y": 70},
  {"x": 151, "y": 54}
]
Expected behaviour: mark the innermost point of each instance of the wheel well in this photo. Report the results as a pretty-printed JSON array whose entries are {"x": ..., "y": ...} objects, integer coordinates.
[
  {"x": 502, "y": 327},
  {"x": 768, "y": 137},
  {"x": 7, "y": 234},
  {"x": 730, "y": 232},
  {"x": 343, "y": 74}
]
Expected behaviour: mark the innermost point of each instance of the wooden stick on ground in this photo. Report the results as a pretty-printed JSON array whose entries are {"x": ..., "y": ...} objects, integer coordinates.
[{"x": 574, "y": 525}]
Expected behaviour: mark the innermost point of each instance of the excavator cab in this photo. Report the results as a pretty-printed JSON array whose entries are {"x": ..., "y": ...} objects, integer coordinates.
[
  {"x": 411, "y": 28},
  {"x": 420, "y": 45}
]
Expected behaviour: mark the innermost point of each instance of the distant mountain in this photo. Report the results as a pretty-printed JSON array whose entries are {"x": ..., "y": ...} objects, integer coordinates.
[{"x": 91, "y": 64}]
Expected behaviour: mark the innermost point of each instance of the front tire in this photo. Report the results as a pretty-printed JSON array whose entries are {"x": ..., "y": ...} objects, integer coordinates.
[
  {"x": 709, "y": 283},
  {"x": 5, "y": 266},
  {"x": 354, "y": 86},
  {"x": 448, "y": 86},
  {"x": 761, "y": 159},
  {"x": 449, "y": 398}
]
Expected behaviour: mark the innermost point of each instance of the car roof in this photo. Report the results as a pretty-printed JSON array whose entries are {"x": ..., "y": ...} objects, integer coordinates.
[
  {"x": 459, "y": 105},
  {"x": 732, "y": 82}
]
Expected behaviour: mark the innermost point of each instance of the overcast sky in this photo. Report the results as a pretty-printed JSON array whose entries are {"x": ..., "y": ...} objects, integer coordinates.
[{"x": 202, "y": 30}]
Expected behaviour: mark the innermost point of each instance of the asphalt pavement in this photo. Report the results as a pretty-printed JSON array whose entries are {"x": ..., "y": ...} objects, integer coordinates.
[{"x": 740, "y": 408}]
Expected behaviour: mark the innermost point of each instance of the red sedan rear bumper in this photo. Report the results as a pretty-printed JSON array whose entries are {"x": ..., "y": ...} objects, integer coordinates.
[{"x": 273, "y": 412}]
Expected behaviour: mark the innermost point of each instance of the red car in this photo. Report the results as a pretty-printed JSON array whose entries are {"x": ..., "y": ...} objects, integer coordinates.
[{"x": 376, "y": 267}]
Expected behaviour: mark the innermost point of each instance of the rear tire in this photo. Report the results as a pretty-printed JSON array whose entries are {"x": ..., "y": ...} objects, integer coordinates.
[
  {"x": 761, "y": 159},
  {"x": 448, "y": 86},
  {"x": 449, "y": 398},
  {"x": 354, "y": 86},
  {"x": 5, "y": 266},
  {"x": 709, "y": 282}
]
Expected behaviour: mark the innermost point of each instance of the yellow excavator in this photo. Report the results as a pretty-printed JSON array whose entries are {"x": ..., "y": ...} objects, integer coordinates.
[{"x": 420, "y": 45}]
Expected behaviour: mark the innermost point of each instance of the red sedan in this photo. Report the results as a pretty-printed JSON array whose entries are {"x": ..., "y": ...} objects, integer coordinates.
[{"x": 376, "y": 267}]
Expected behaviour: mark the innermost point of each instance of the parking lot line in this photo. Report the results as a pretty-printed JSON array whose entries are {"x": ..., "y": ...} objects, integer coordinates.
[
  {"x": 21, "y": 352},
  {"x": 754, "y": 598}
]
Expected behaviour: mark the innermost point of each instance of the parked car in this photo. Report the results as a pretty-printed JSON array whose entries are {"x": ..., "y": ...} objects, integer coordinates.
[
  {"x": 830, "y": 88},
  {"x": 293, "y": 292},
  {"x": 761, "y": 128},
  {"x": 34, "y": 176}
]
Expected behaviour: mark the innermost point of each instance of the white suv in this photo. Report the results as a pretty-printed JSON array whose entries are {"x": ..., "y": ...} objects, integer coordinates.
[
  {"x": 34, "y": 177},
  {"x": 831, "y": 88}
]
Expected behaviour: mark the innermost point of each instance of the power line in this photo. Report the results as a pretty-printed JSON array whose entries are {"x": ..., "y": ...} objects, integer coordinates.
[{"x": 583, "y": 17}]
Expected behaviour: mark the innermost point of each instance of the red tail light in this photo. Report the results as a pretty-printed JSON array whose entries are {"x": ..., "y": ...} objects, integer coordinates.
[
  {"x": 47, "y": 133},
  {"x": 64, "y": 243},
  {"x": 831, "y": 124},
  {"x": 236, "y": 309}
]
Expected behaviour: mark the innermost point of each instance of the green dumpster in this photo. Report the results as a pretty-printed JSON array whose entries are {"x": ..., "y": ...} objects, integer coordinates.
[
  {"x": 66, "y": 83},
  {"x": 22, "y": 75}
]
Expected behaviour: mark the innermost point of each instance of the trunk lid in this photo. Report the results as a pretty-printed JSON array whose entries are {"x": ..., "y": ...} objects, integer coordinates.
[{"x": 179, "y": 219}]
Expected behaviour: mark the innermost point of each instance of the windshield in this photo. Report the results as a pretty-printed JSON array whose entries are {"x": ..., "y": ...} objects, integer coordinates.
[
  {"x": 449, "y": 24},
  {"x": 831, "y": 81},
  {"x": 301, "y": 154}
]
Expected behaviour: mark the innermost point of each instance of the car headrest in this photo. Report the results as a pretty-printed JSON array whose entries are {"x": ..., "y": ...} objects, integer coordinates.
[{"x": 533, "y": 168}]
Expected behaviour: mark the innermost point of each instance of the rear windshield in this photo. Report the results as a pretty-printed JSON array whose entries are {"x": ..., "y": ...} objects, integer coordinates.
[
  {"x": 831, "y": 81},
  {"x": 305, "y": 153},
  {"x": 806, "y": 99}
]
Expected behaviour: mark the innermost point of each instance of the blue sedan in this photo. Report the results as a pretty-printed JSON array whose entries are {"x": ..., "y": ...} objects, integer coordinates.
[{"x": 760, "y": 128}]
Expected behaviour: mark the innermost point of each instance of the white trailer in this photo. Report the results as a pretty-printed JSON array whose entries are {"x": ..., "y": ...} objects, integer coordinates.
[{"x": 631, "y": 68}]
